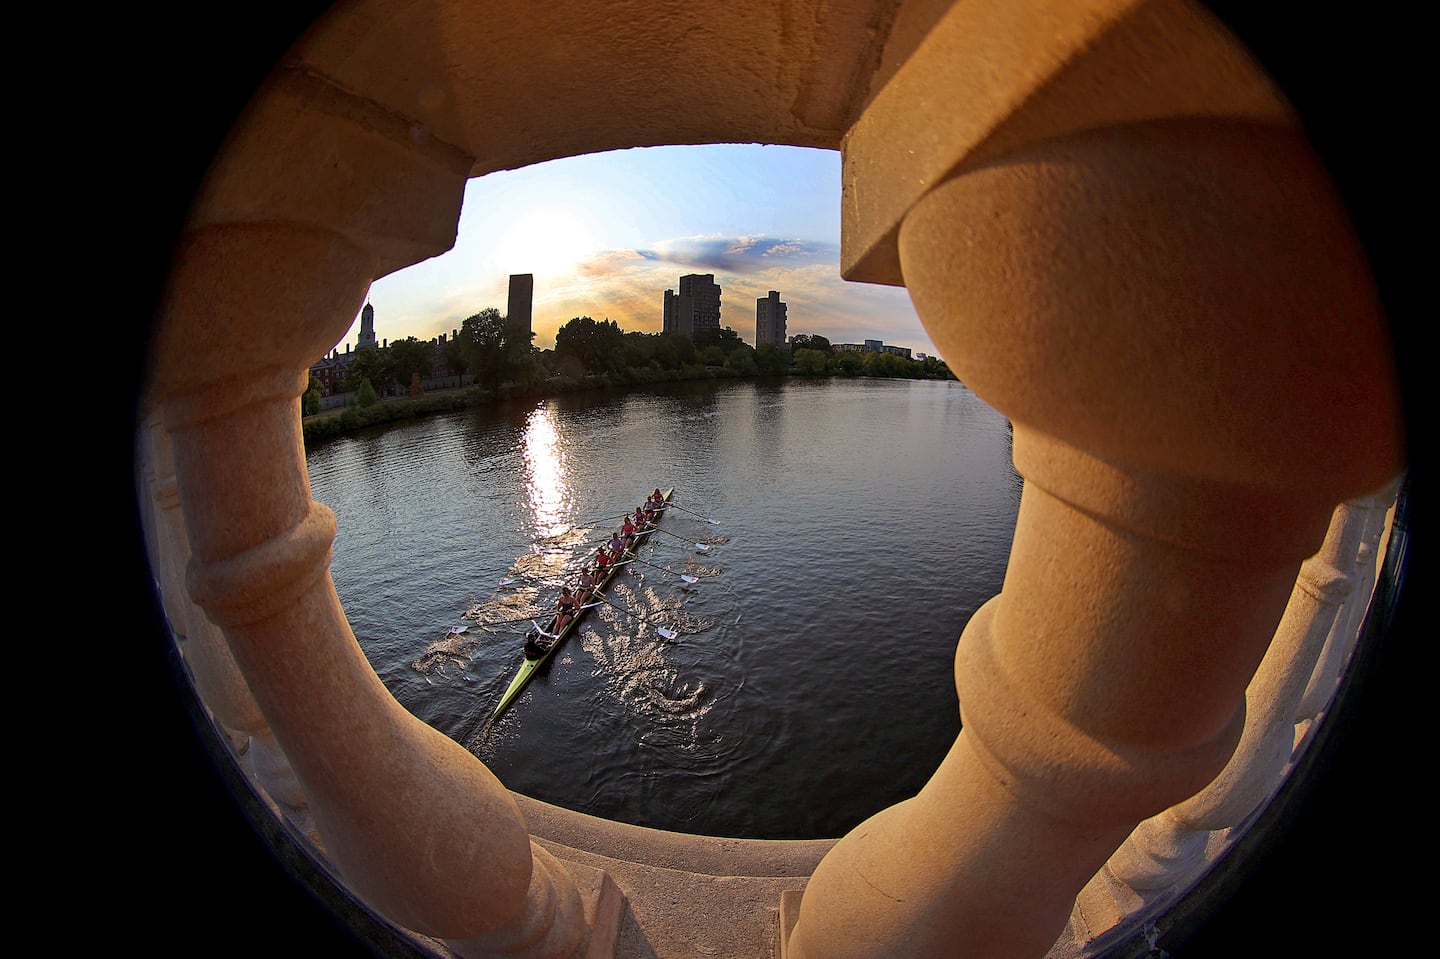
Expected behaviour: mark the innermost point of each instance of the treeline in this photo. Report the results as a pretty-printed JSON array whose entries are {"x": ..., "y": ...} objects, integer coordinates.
[{"x": 588, "y": 353}]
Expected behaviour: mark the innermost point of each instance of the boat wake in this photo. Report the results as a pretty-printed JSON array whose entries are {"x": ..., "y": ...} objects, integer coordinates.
[{"x": 453, "y": 649}]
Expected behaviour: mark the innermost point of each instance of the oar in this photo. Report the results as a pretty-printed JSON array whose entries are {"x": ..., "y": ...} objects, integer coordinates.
[
  {"x": 502, "y": 622},
  {"x": 662, "y": 630},
  {"x": 597, "y": 522},
  {"x": 700, "y": 546},
  {"x": 714, "y": 522},
  {"x": 688, "y": 579}
]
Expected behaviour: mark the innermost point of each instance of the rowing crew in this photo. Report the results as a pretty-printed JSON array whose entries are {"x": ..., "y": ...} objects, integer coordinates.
[{"x": 567, "y": 607}]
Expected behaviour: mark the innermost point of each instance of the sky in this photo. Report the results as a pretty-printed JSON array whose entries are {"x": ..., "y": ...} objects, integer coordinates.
[{"x": 606, "y": 235}]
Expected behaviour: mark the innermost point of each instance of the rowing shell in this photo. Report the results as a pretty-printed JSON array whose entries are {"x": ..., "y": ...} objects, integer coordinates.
[{"x": 530, "y": 665}]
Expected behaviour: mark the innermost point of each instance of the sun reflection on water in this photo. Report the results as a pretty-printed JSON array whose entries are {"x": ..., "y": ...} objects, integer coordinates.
[{"x": 545, "y": 473}]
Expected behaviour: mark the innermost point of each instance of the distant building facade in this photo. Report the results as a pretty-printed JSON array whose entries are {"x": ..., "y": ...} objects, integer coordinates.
[
  {"x": 875, "y": 346},
  {"x": 696, "y": 307},
  {"x": 770, "y": 320},
  {"x": 518, "y": 326}
]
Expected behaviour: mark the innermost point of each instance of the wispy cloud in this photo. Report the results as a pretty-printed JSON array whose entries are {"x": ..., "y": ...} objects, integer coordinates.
[{"x": 729, "y": 254}]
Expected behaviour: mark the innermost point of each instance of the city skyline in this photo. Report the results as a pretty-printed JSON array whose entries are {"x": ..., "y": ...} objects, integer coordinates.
[{"x": 605, "y": 235}]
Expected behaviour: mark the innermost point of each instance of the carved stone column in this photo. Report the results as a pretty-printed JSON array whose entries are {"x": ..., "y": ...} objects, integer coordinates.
[
  {"x": 1170, "y": 849},
  {"x": 415, "y": 824},
  {"x": 217, "y": 678},
  {"x": 1176, "y": 319}
]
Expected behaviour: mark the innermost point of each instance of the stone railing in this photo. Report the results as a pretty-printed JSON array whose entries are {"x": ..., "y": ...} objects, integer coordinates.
[{"x": 1116, "y": 235}]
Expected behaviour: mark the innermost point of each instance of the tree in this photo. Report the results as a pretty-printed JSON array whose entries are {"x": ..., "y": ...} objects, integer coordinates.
[
  {"x": 769, "y": 358},
  {"x": 483, "y": 343},
  {"x": 724, "y": 338},
  {"x": 452, "y": 356},
  {"x": 674, "y": 350},
  {"x": 599, "y": 346},
  {"x": 410, "y": 358},
  {"x": 368, "y": 365},
  {"x": 849, "y": 363},
  {"x": 365, "y": 394},
  {"x": 810, "y": 341},
  {"x": 810, "y": 362}
]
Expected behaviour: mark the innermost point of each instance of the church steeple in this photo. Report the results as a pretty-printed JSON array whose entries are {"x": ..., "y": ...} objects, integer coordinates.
[{"x": 367, "y": 327}]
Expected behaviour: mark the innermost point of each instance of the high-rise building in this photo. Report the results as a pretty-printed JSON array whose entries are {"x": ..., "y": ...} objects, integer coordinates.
[
  {"x": 770, "y": 320},
  {"x": 695, "y": 307},
  {"x": 517, "y": 311}
]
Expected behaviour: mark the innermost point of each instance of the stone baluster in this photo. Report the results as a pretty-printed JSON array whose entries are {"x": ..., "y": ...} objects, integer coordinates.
[
  {"x": 1177, "y": 320},
  {"x": 216, "y": 677},
  {"x": 1170, "y": 850},
  {"x": 416, "y": 826},
  {"x": 1370, "y": 512}
]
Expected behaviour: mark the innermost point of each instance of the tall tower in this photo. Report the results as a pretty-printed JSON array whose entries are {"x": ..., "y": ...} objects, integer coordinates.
[
  {"x": 770, "y": 320},
  {"x": 670, "y": 319},
  {"x": 517, "y": 310},
  {"x": 367, "y": 327},
  {"x": 698, "y": 305}
]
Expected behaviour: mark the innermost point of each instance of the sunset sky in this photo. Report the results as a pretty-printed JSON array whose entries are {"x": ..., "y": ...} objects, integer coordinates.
[{"x": 605, "y": 235}]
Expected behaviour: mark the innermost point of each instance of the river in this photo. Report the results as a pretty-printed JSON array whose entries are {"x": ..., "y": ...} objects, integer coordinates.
[{"x": 858, "y": 524}]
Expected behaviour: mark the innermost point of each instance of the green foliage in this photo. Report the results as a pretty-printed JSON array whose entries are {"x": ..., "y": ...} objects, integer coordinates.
[
  {"x": 723, "y": 338},
  {"x": 771, "y": 359},
  {"x": 588, "y": 355},
  {"x": 482, "y": 343},
  {"x": 810, "y": 362},
  {"x": 408, "y": 358},
  {"x": 599, "y": 346},
  {"x": 368, "y": 365},
  {"x": 849, "y": 363},
  {"x": 810, "y": 341}
]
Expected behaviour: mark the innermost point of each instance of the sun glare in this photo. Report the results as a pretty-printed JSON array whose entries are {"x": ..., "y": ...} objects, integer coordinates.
[{"x": 545, "y": 472}]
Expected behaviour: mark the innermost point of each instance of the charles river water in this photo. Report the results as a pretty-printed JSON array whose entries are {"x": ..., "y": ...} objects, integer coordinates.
[{"x": 859, "y": 525}]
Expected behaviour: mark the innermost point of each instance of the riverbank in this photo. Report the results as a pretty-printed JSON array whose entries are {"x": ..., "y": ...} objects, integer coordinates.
[{"x": 329, "y": 424}]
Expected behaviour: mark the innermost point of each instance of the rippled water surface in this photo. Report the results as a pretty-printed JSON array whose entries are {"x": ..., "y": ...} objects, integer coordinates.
[{"x": 859, "y": 525}]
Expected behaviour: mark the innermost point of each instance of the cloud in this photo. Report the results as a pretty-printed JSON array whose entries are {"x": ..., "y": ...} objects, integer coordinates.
[{"x": 732, "y": 254}]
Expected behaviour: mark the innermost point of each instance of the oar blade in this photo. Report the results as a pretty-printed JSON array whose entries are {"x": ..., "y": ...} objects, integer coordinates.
[
  {"x": 690, "y": 579},
  {"x": 666, "y": 632}
]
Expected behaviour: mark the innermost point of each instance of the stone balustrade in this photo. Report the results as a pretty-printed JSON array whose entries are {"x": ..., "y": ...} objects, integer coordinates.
[{"x": 1116, "y": 235}]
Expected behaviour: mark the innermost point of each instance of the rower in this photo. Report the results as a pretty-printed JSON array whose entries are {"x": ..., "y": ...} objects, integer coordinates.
[
  {"x": 617, "y": 547},
  {"x": 628, "y": 527},
  {"x": 565, "y": 608},
  {"x": 602, "y": 561},
  {"x": 587, "y": 584},
  {"x": 643, "y": 514}
]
